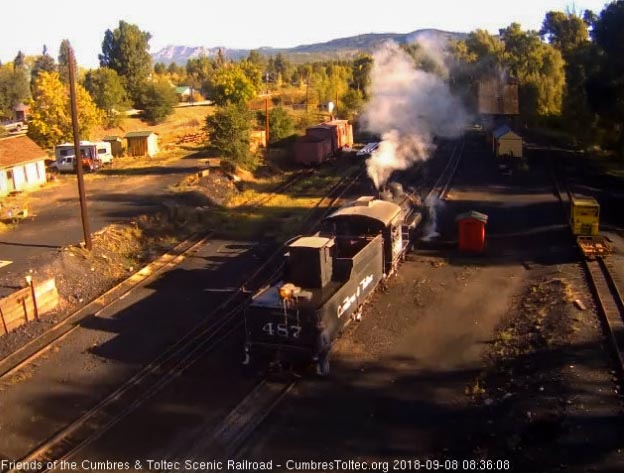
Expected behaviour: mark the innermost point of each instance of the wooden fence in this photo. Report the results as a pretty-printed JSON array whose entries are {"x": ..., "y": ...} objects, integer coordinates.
[{"x": 20, "y": 307}]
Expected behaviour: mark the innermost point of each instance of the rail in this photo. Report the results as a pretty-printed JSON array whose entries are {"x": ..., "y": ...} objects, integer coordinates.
[
  {"x": 604, "y": 284},
  {"x": 442, "y": 185}
]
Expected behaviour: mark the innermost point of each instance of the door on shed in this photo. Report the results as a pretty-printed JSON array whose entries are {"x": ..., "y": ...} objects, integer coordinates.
[
  {"x": 4, "y": 184},
  {"x": 19, "y": 178}
]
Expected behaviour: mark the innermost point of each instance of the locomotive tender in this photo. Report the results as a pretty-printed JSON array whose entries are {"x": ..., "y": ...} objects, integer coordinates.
[{"x": 328, "y": 277}]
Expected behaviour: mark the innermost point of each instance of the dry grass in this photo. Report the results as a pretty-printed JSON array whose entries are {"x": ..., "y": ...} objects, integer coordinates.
[{"x": 183, "y": 121}]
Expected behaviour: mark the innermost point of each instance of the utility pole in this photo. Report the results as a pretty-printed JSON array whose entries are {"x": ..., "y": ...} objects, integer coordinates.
[
  {"x": 77, "y": 154},
  {"x": 266, "y": 124}
]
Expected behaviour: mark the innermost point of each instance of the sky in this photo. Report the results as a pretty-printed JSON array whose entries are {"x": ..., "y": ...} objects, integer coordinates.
[{"x": 27, "y": 25}]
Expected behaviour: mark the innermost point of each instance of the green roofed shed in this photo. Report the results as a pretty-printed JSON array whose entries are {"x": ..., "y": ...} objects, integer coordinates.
[
  {"x": 116, "y": 143},
  {"x": 142, "y": 143}
]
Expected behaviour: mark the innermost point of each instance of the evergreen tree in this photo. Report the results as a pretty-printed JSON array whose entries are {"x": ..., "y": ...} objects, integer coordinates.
[
  {"x": 229, "y": 130},
  {"x": 18, "y": 62},
  {"x": 106, "y": 88},
  {"x": 43, "y": 63},
  {"x": 126, "y": 51},
  {"x": 157, "y": 101},
  {"x": 63, "y": 61},
  {"x": 14, "y": 89}
]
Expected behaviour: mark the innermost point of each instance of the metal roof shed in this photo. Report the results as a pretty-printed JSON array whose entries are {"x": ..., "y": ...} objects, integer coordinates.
[
  {"x": 116, "y": 143},
  {"x": 142, "y": 143}
]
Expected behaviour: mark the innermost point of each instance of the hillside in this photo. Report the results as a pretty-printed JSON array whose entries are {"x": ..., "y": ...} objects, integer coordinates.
[{"x": 341, "y": 48}]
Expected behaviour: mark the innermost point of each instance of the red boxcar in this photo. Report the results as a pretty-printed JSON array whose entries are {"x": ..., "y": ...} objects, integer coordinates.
[{"x": 311, "y": 150}]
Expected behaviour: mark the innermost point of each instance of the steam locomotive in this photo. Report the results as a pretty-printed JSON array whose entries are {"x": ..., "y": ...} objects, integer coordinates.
[{"x": 328, "y": 277}]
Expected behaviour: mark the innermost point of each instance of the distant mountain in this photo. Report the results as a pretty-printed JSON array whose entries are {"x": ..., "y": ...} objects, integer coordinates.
[{"x": 342, "y": 48}]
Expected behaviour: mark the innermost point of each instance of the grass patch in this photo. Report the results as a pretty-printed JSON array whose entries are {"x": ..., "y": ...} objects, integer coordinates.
[{"x": 279, "y": 217}]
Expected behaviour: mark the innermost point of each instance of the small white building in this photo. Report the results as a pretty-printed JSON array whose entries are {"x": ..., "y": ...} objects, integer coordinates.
[
  {"x": 142, "y": 143},
  {"x": 22, "y": 164},
  {"x": 506, "y": 142}
]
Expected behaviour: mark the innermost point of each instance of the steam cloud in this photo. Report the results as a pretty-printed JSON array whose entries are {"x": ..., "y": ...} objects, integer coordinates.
[{"x": 408, "y": 107}]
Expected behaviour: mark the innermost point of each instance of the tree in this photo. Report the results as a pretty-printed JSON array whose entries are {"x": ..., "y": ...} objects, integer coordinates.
[
  {"x": 230, "y": 85},
  {"x": 50, "y": 117},
  {"x": 253, "y": 72},
  {"x": 351, "y": 103},
  {"x": 482, "y": 52},
  {"x": 63, "y": 61},
  {"x": 605, "y": 85},
  {"x": 422, "y": 59},
  {"x": 107, "y": 91},
  {"x": 220, "y": 60},
  {"x": 361, "y": 70},
  {"x": 157, "y": 101},
  {"x": 43, "y": 63},
  {"x": 539, "y": 68},
  {"x": 173, "y": 68},
  {"x": 229, "y": 131},
  {"x": 281, "y": 124},
  {"x": 18, "y": 62},
  {"x": 198, "y": 71},
  {"x": 569, "y": 34},
  {"x": 14, "y": 88},
  {"x": 566, "y": 32},
  {"x": 255, "y": 57},
  {"x": 160, "y": 68},
  {"x": 282, "y": 67},
  {"x": 126, "y": 51}
]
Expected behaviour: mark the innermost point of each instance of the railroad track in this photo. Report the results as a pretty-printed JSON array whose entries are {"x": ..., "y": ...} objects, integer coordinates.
[
  {"x": 606, "y": 288},
  {"x": 288, "y": 183},
  {"x": 228, "y": 439},
  {"x": 55, "y": 334},
  {"x": 441, "y": 187},
  {"x": 220, "y": 324},
  {"x": 59, "y": 331},
  {"x": 604, "y": 283}
]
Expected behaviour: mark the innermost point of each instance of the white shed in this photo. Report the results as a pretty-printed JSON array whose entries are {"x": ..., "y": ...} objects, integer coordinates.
[
  {"x": 506, "y": 142},
  {"x": 22, "y": 164}
]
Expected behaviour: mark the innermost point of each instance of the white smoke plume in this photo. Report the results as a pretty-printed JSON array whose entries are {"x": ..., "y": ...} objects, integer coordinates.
[
  {"x": 408, "y": 107},
  {"x": 434, "y": 206}
]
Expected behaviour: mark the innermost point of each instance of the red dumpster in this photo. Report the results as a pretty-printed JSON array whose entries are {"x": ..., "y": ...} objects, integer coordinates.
[{"x": 471, "y": 231}]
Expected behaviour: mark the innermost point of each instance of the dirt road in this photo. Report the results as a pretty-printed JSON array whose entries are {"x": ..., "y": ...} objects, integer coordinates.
[{"x": 113, "y": 196}]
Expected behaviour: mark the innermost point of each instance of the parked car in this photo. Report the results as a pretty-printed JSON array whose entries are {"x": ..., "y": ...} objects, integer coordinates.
[
  {"x": 68, "y": 164},
  {"x": 12, "y": 126}
]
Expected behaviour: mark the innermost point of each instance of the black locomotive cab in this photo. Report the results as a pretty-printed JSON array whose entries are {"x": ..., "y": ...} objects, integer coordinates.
[{"x": 370, "y": 216}]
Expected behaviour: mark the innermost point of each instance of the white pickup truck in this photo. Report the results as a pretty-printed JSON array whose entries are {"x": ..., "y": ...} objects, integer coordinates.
[{"x": 12, "y": 126}]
